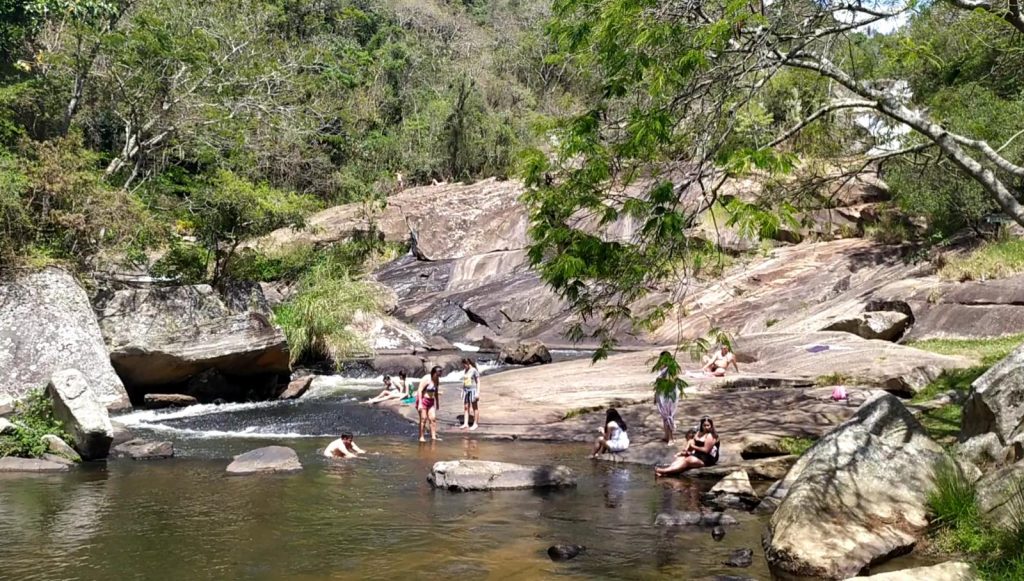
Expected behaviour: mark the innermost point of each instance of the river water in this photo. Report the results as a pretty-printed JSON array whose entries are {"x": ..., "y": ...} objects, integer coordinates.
[{"x": 372, "y": 518}]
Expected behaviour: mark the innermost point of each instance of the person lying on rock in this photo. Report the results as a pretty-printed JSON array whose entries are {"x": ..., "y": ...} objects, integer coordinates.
[
  {"x": 614, "y": 438},
  {"x": 718, "y": 363},
  {"x": 391, "y": 391},
  {"x": 701, "y": 451},
  {"x": 343, "y": 447}
]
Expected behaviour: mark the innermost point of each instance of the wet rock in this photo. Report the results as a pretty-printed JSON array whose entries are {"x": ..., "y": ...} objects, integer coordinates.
[
  {"x": 413, "y": 365},
  {"x": 740, "y": 558},
  {"x": 694, "y": 519},
  {"x": 47, "y": 325},
  {"x": 718, "y": 533},
  {"x": 564, "y": 552},
  {"x": 733, "y": 491},
  {"x": 12, "y": 464},
  {"x": 883, "y": 325},
  {"x": 856, "y": 497},
  {"x": 164, "y": 336},
  {"x": 121, "y": 433},
  {"x": 59, "y": 447},
  {"x": 207, "y": 385},
  {"x": 471, "y": 475},
  {"x": 265, "y": 460},
  {"x": 525, "y": 353},
  {"x": 950, "y": 571},
  {"x": 448, "y": 362},
  {"x": 84, "y": 417},
  {"x": 996, "y": 401},
  {"x": 438, "y": 343},
  {"x": 6, "y": 427},
  {"x": 57, "y": 459},
  {"x": 144, "y": 450},
  {"x": 168, "y": 400},
  {"x": 296, "y": 388}
]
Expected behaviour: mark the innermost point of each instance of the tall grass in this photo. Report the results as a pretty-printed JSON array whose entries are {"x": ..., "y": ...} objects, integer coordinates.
[
  {"x": 988, "y": 350},
  {"x": 998, "y": 259},
  {"x": 316, "y": 321}
]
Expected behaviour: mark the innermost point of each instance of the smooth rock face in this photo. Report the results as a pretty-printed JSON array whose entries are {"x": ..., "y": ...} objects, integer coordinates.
[
  {"x": 857, "y": 496},
  {"x": 46, "y": 325},
  {"x": 525, "y": 353},
  {"x": 165, "y": 336},
  {"x": 296, "y": 388},
  {"x": 168, "y": 400},
  {"x": 84, "y": 417},
  {"x": 694, "y": 519},
  {"x": 883, "y": 325},
  {"x": 265, "y": 460},
  {"x": 143, "y": 450},
  {"x": 60, "y": 448},
  {"x": 951, "y": 571},
  {"x": 996, "y": 401},
  {"x": 470, "y": 475},
  {"x": 12, "y": 464}
]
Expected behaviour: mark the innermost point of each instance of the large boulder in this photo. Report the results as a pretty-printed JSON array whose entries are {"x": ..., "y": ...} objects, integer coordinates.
[
  {"x": 525, "y": 353},
  {"x": 84, "y": 417},
  {"x": 883, "y": 325},
  {"x": 46, "y": 325},
  {"x": 857, "y": 496},
  {"x": 469, "y": 475},
  {"x": 165, "y": 336},
  {"x": 1001, "y": 495},
  {"x": 265, "y": 460},
  {"x": 996, "y": 401}
]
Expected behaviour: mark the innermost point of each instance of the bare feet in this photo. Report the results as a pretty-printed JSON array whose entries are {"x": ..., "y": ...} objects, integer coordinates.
[
  {"x": 424, "y": 440},
  {"x": 464, "y": 426},
  {"x": 436, "y": 438},
  {"x": 475, "y": 426}
]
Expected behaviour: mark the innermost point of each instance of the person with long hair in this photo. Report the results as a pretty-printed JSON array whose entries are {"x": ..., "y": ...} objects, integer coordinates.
[
  {"x": 470, "y": 393},
  {"x": 614, "y": 437},
  {"x": 666, "y": 401},
  {"x": 701, "y": 451},
  {"x": 428, "y": 401},
  {"x": 391, "y": 391}
]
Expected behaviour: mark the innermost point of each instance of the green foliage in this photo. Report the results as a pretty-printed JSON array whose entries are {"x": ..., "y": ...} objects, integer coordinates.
[
  {"x": 316, "y": 321},
  {"x": 996, "y": 259},
  {"x": 951, "y": 379},
  {"x": 184, "y": 262},
  {"x": 33, "y": 418},
  {"x": 988, "y": 351},
  {"x": 796, "y": 445},
  {"x": 669, "y": 381},
  {"x": 942, "y": 423}
]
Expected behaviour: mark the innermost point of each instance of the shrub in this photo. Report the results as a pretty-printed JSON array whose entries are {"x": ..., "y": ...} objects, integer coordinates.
[
  {"x": 998, "y": 259},
  {"x": 33, "y": 418},
  {"x": 796, "y": 446}
]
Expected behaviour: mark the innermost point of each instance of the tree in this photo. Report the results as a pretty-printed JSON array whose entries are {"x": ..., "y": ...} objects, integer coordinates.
[{"x": 683, "y": 91}]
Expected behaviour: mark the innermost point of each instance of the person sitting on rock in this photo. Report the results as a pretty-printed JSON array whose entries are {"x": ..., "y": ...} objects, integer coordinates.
[
  {"x": 614, "y": 438},
  {"x": 343, "y": 447},
  {"x": 718, "y": 363},
  {"x": 390, "y": 392},
  {"x": 701, "y": 451}
]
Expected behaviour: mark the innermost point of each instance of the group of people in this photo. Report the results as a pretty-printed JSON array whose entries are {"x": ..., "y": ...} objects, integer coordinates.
[{"x": 427, "y": 397}]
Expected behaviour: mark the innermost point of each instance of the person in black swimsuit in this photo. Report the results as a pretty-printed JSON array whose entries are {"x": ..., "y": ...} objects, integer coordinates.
[{"x": 700, "y": 452}]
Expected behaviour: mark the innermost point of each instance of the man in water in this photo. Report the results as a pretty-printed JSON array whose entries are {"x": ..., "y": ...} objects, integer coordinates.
[{"x": 343, "y": 447}]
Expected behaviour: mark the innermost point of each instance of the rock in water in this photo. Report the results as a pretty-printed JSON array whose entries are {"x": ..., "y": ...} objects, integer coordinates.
[
  {"x": 858, "y": 496},
  {"x": 143, "y": 450},
  {"x": 733, "y": 491},
  {"x": 718, "y": 533},
  {"x": 47, "y": 325},
  {"x": 564, "y": 552},
  {"x": 155, "y": 401},
  {"x": 996, "y": 401},
  {"x": 265, "y": 460},
  {"x": 740, "y": 558},
  {"x": 60, "y": 448},
  {"x": 469, "y": 475},
  {"x": 695, "y": 519},
  {"x": 525, "y": 353},
  {"x": 12, "y": 464},
  {"x": 949, "y": 571},
  {"x": 296, "y": 388},
  {"x": 83, "y": 415}
]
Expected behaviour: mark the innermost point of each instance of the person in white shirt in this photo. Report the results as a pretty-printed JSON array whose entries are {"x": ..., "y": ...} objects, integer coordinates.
[
  {"x": 470, "y": 393},
  {"x": 343, "y": 447}
]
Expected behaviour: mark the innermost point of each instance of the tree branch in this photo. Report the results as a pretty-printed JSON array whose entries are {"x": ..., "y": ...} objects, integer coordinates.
[{"x": 834, "y": 106}]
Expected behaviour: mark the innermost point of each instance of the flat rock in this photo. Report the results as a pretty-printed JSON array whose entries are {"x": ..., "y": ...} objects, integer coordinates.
[
  {"x": 82, "y": 413},
  {"x": 681, "y": 518},
  {"x": 996, "y": 401},
  {"x": 12, "y": 464},
  {"x": 950, "y": 571},
  {"x": 857, "y": 496},
  {"x": 265, "y": 460},
  {"x": 58, "y": 459},
  {"x": 47, "y": 325},
  {"x": 471, "y": 475},
  {"x": 168, "y": 400},
  {"x": 143, "y": 450},
  {"x": 60, "y": 448},
  {"x": 160, "y": 336},
  {"x": 296, "y": 388}
]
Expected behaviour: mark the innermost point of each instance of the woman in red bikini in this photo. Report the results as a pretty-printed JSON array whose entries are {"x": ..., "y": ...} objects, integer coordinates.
[{"x": 428, "y": 401}]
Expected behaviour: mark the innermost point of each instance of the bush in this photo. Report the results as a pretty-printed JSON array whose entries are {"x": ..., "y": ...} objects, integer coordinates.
[
  {"x": 33, "y": 418},
  {"x": 185, "y": 263},
  {"x": 998, "y": 259}
]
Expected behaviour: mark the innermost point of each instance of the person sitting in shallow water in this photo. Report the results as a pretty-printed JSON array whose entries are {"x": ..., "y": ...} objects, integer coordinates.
[
  {"x": 390, "y": 392},
  {"x": 718, "y": 363},
  {"x": 614, "y": 438},
  {"x": 700, "y": 451},
  {"x": 343, "y": 447}
]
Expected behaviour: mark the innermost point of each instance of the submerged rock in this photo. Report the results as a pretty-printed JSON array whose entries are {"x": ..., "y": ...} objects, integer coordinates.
[
  {"x": 470, "y": 475},
  {"x": 144, "y": 450},
  {"x": 857, "y": 496},
  {"x": 12, "y": 464},
  {"x": 265, "y": 460},
  {"x": 47, "y": 325},
  {"x": 996, "y": 401},
  {"x": 718, "y": 533},
  {"x": 60, "y": 448},
  {"x": 564, "y": 552},
  {"x": 740, "y": 558},
  {"x": 84, "y": 417},
  {"x": 695, "y": 519},
  {"x": 168, "y": 400}
]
